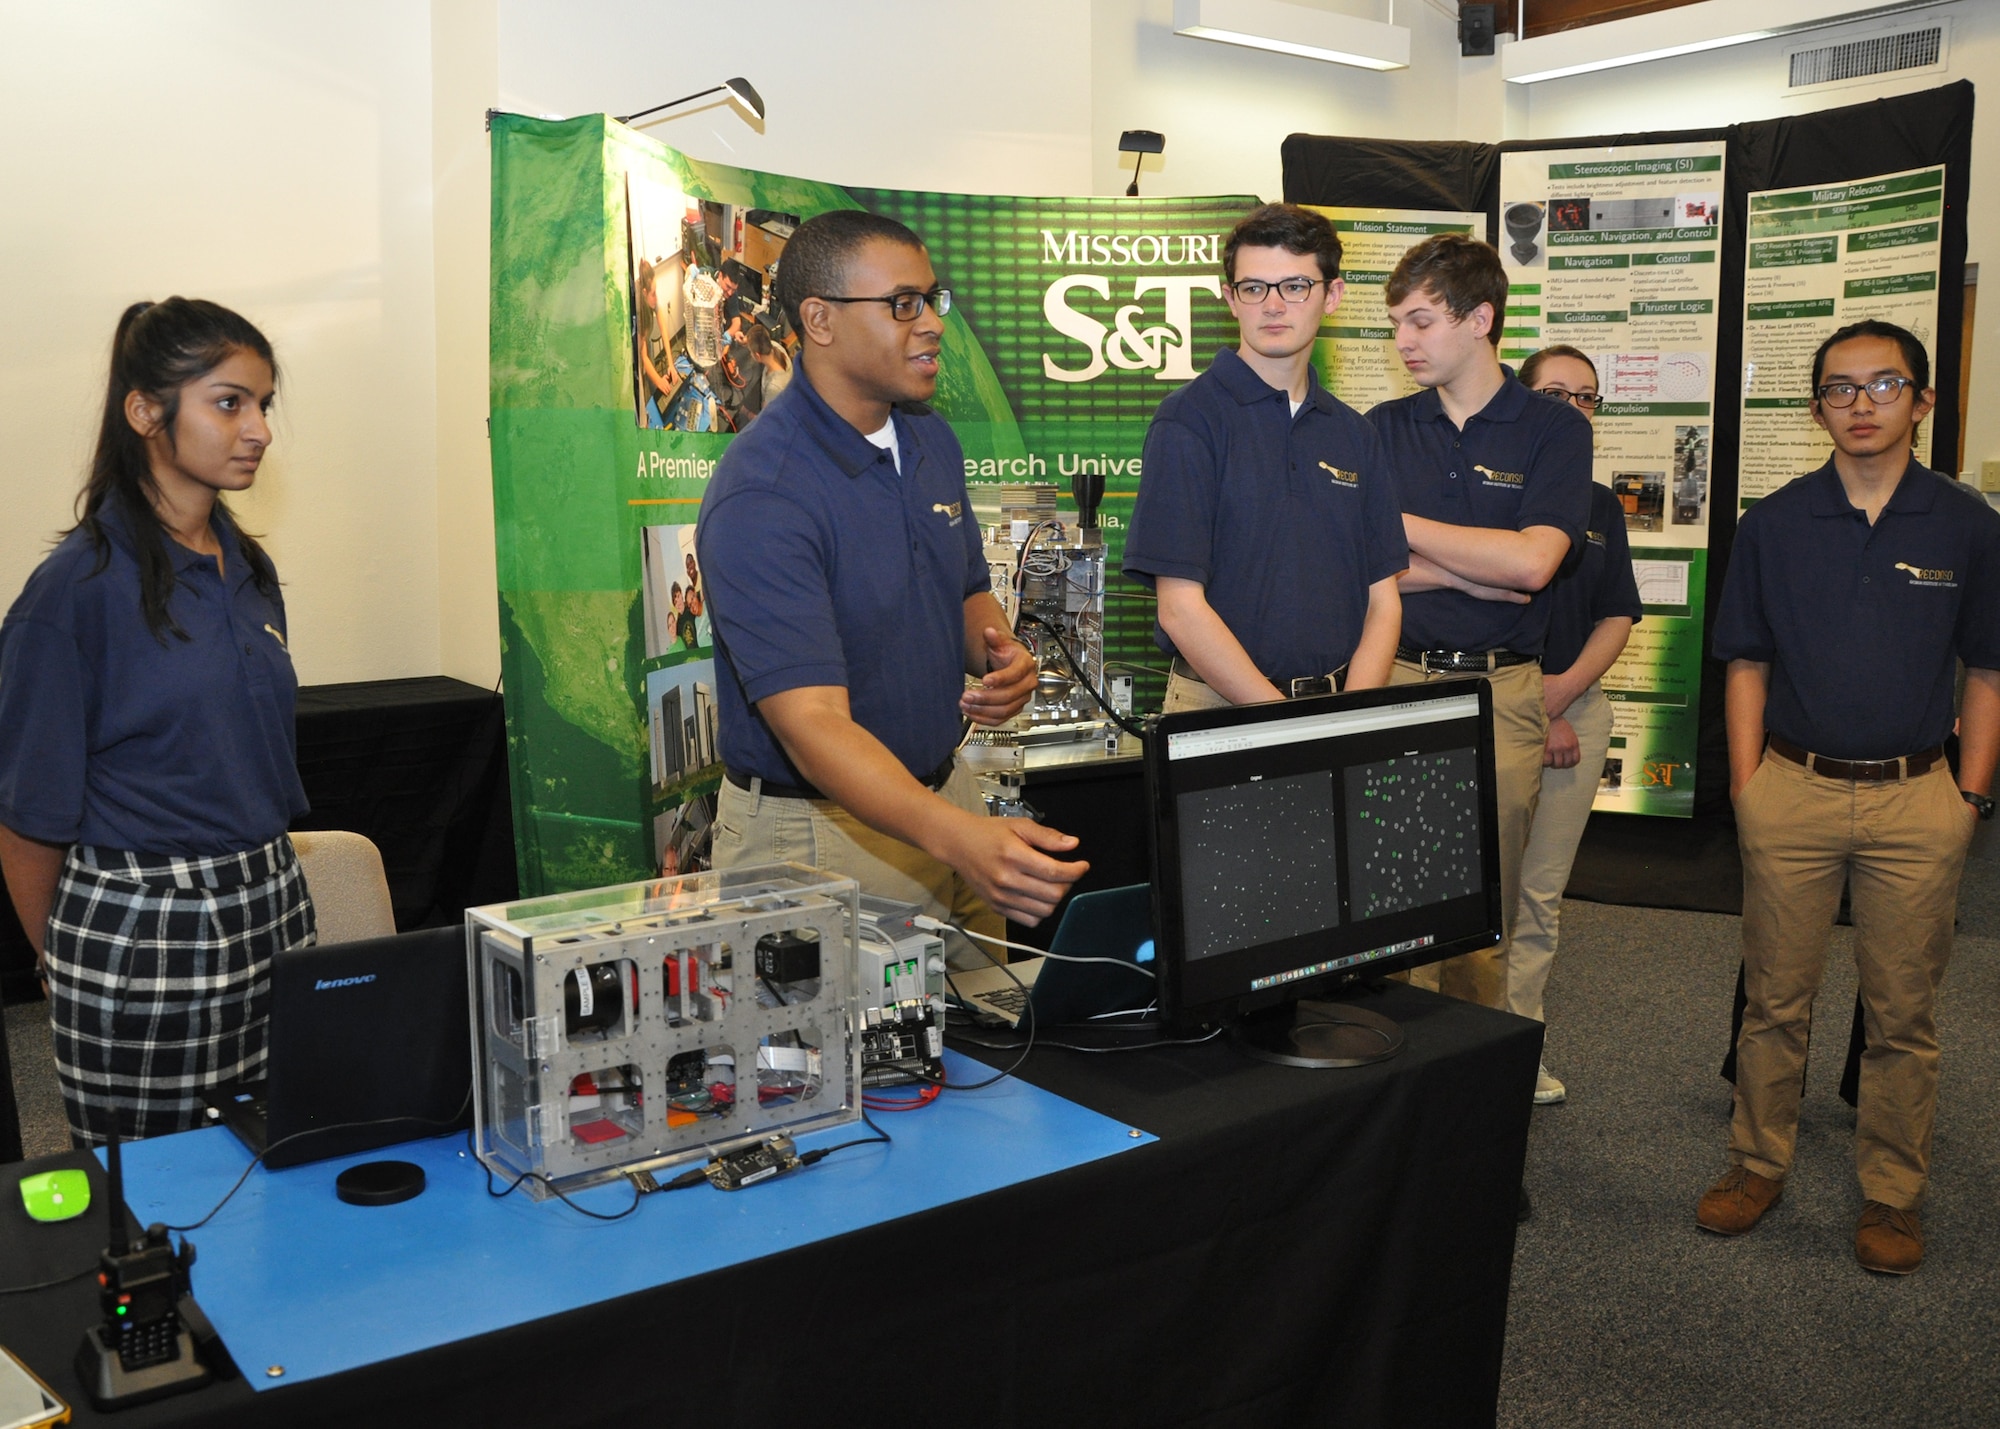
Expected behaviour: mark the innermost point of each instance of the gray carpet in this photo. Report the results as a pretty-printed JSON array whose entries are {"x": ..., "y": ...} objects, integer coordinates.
[{"x": 1622, "y": 1312}]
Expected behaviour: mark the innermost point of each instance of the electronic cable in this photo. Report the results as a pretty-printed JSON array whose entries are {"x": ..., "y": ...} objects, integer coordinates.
[
  {"x": 1027, "y": 1020},
  {"x": 49, "y": 1284},
  {"x": 256, "y": 1160},
  {"x": 809, "y": 1158},
  {"x": 1137, "y": 731},
  {"x": 678, "y": 1183},
  {"x": 936, "y": 925},
  {"x": 1114, "y": 1047}
]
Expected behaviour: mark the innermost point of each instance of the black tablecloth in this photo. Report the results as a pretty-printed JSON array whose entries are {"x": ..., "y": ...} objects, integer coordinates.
[{"x": 1298, "y": 1248}]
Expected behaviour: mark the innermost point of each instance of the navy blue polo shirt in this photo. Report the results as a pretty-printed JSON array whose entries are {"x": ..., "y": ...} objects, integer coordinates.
[
  {"x": 826, "y": 566},
  {"x": 109, "y": 737},
  {"x": 1861, "y": 624},
  {"x": 1598, "y": 587},
  {"x": 1286, "y": 520},
  {"x": 1521, "y": 461}
]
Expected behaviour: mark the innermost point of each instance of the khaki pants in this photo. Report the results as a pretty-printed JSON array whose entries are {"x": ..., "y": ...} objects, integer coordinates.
[
  {"x": 1561, "y": 811},
  {"x": 1185, "y": 694},
  {"x": 1901, "y": 847},
  {"x": 1520, "y": 731},
  {"x": 751, "y": 829}
]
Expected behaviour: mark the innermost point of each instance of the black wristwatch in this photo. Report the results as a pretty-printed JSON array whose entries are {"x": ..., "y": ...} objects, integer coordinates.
[{"x": 1978, "y": 801}]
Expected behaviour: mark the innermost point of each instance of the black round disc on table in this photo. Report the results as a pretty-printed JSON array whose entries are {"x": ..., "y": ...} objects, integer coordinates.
[{"x": 379, "y": 1183}]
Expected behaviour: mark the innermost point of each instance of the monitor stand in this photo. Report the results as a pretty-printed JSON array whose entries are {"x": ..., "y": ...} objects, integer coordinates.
[{"x": 1318, "y": 1034}]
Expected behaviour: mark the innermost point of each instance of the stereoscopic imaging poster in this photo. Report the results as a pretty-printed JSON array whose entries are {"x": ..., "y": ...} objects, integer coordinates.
[
  {"x": 1616, "y": 252},
  {"x": 634, "y": 333},
  {"x": 1820, "y": 258}
]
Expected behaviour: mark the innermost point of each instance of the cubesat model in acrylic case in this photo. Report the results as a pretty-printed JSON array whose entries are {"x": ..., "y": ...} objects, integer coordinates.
[{"x": 654, "y": 1022}]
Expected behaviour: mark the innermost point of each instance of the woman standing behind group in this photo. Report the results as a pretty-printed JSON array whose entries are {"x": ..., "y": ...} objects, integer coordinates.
[
  {"x": 1594, "y": 609},
  {"x": 148, "y": 767}
]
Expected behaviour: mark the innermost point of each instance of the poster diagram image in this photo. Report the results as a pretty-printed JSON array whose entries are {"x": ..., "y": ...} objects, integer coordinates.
[
  {"x": 681, "y": 714},
  {"x": 1660, "y": 582},
  {"x": 684, "y": 837},
  {"x": 1697, "y": 210},
  {"x": 710, "y": 346},
  {"x": 1569, "y": 215},
  {"x": 1613, "y": 777},
  {"x": 1642, "y": 495},
  {"x": 1654, "y": 376},
  {"x": 1524, "y": 228},
  {"x": 671, "y": 592},
  {"x": 1650, "y": 211},
  {"x": 1690, "y": 476}
]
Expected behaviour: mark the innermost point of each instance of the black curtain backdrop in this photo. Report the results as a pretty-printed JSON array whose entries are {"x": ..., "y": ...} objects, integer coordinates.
[{"x": 1831, "y": 146}]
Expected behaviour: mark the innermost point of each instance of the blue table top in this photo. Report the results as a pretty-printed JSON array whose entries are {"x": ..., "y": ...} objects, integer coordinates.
[{"x": 294, "y": 1277}]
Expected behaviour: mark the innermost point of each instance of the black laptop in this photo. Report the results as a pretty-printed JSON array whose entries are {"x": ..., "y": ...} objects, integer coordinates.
[
  {"x": 1112, "y": 926},
  {"x": 370, "y": 1045}
]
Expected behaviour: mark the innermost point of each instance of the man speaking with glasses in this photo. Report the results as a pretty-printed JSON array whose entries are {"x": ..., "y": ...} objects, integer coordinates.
[
  {"x": 1852, "y": 594},
  {"x": 1495, "y": 486},
  {"x": 1266, "y": 519},
  {"x": 848, "y": 590}
]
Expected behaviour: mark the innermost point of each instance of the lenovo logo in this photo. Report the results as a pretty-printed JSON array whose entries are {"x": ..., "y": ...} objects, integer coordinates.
[{"x": 326, "y": 982}]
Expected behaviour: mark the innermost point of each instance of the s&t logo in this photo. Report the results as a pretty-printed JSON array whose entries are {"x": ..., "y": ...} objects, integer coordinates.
[{"x": 1130, "y": 341}]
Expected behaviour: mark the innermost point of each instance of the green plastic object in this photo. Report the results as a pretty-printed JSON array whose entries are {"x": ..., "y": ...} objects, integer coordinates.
[{"x": 56, "y": 1195}]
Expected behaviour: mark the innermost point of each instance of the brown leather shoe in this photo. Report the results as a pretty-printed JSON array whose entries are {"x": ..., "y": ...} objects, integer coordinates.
[
  {"x": 1888, "y": 1241},
  {"x": 1737, "y": 1202}
]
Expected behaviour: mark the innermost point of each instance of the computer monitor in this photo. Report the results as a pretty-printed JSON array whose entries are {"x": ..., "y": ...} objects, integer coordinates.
[{"x": 1303, "y": 846}]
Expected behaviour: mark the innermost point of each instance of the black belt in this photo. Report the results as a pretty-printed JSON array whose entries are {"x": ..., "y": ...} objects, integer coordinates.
[
  {"x": 1461, "y": 661},
  {"x": 1873, "y": 771},
  {"x": 933, "y": 781},
  {"x": 1293, "y": 689}
]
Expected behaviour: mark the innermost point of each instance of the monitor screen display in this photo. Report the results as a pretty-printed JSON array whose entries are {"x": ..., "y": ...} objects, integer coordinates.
[{"x": 1301, "y": 844}]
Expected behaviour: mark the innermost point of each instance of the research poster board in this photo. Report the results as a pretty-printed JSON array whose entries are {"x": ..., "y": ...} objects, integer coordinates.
[
  {"x": 634, "y": 333},
  {"x": 1356, "y": 350},
  {"x": 1617, "y": 252},
  {"x": 1818, "y": 258}
]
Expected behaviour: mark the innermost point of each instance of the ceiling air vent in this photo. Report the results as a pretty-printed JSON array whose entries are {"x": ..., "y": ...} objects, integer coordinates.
[{"x": 1853, "y": 60}]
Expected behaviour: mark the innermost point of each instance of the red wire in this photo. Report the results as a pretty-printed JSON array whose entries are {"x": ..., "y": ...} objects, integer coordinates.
[{"x": 923, "y": 1098}]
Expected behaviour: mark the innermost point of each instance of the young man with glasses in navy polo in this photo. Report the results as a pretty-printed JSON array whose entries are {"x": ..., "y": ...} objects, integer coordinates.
[
  {"x": 848, "y": 590},
  {"x": 1852, "y": 595},
  {"x": 1495, "y": 486},
  {"x": 1266, "y": 519}
]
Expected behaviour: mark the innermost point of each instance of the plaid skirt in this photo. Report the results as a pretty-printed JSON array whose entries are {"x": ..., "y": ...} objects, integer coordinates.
[{"x": 159, "y": 975}]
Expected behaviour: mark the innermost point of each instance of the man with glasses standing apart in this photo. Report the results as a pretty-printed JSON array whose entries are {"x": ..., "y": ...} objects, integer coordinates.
[
  {"x": 1266, "y": 519},
  {"x": 848, "y": 590},
  {"x": 1592, "y": 610},
  {"x": 1495, "y": 485},
  {"x": 1852, "y": 594}
]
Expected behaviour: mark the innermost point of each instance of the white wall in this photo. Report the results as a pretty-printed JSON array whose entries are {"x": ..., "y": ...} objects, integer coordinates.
[
  {"x": 1748, "y": 82},
  {"x": 275, "y": 158},
  {"x": 972, "y": 96},
  {"x": 465, "y": 80}
]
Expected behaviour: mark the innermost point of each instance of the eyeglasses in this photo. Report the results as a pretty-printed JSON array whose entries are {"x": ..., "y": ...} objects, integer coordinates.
[
  {"x": 1292, "y": 290},
  {"x": 1586, "y": 400},
  {"x": 1882, "y": 389},
  {"x": 905, "y": 307}
]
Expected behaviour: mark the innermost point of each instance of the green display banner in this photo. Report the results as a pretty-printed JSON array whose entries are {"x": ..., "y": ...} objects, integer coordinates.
[{"x": 627, "y": 282}]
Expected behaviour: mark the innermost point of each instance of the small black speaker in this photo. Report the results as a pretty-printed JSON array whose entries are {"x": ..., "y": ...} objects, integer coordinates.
[{"x": 1475, "y": 30}]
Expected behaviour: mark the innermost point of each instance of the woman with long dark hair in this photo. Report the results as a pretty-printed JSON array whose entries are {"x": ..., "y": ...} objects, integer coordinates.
[
  {"x": 148, "y": 768},
  {"x": 1593, "y": 609}
]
